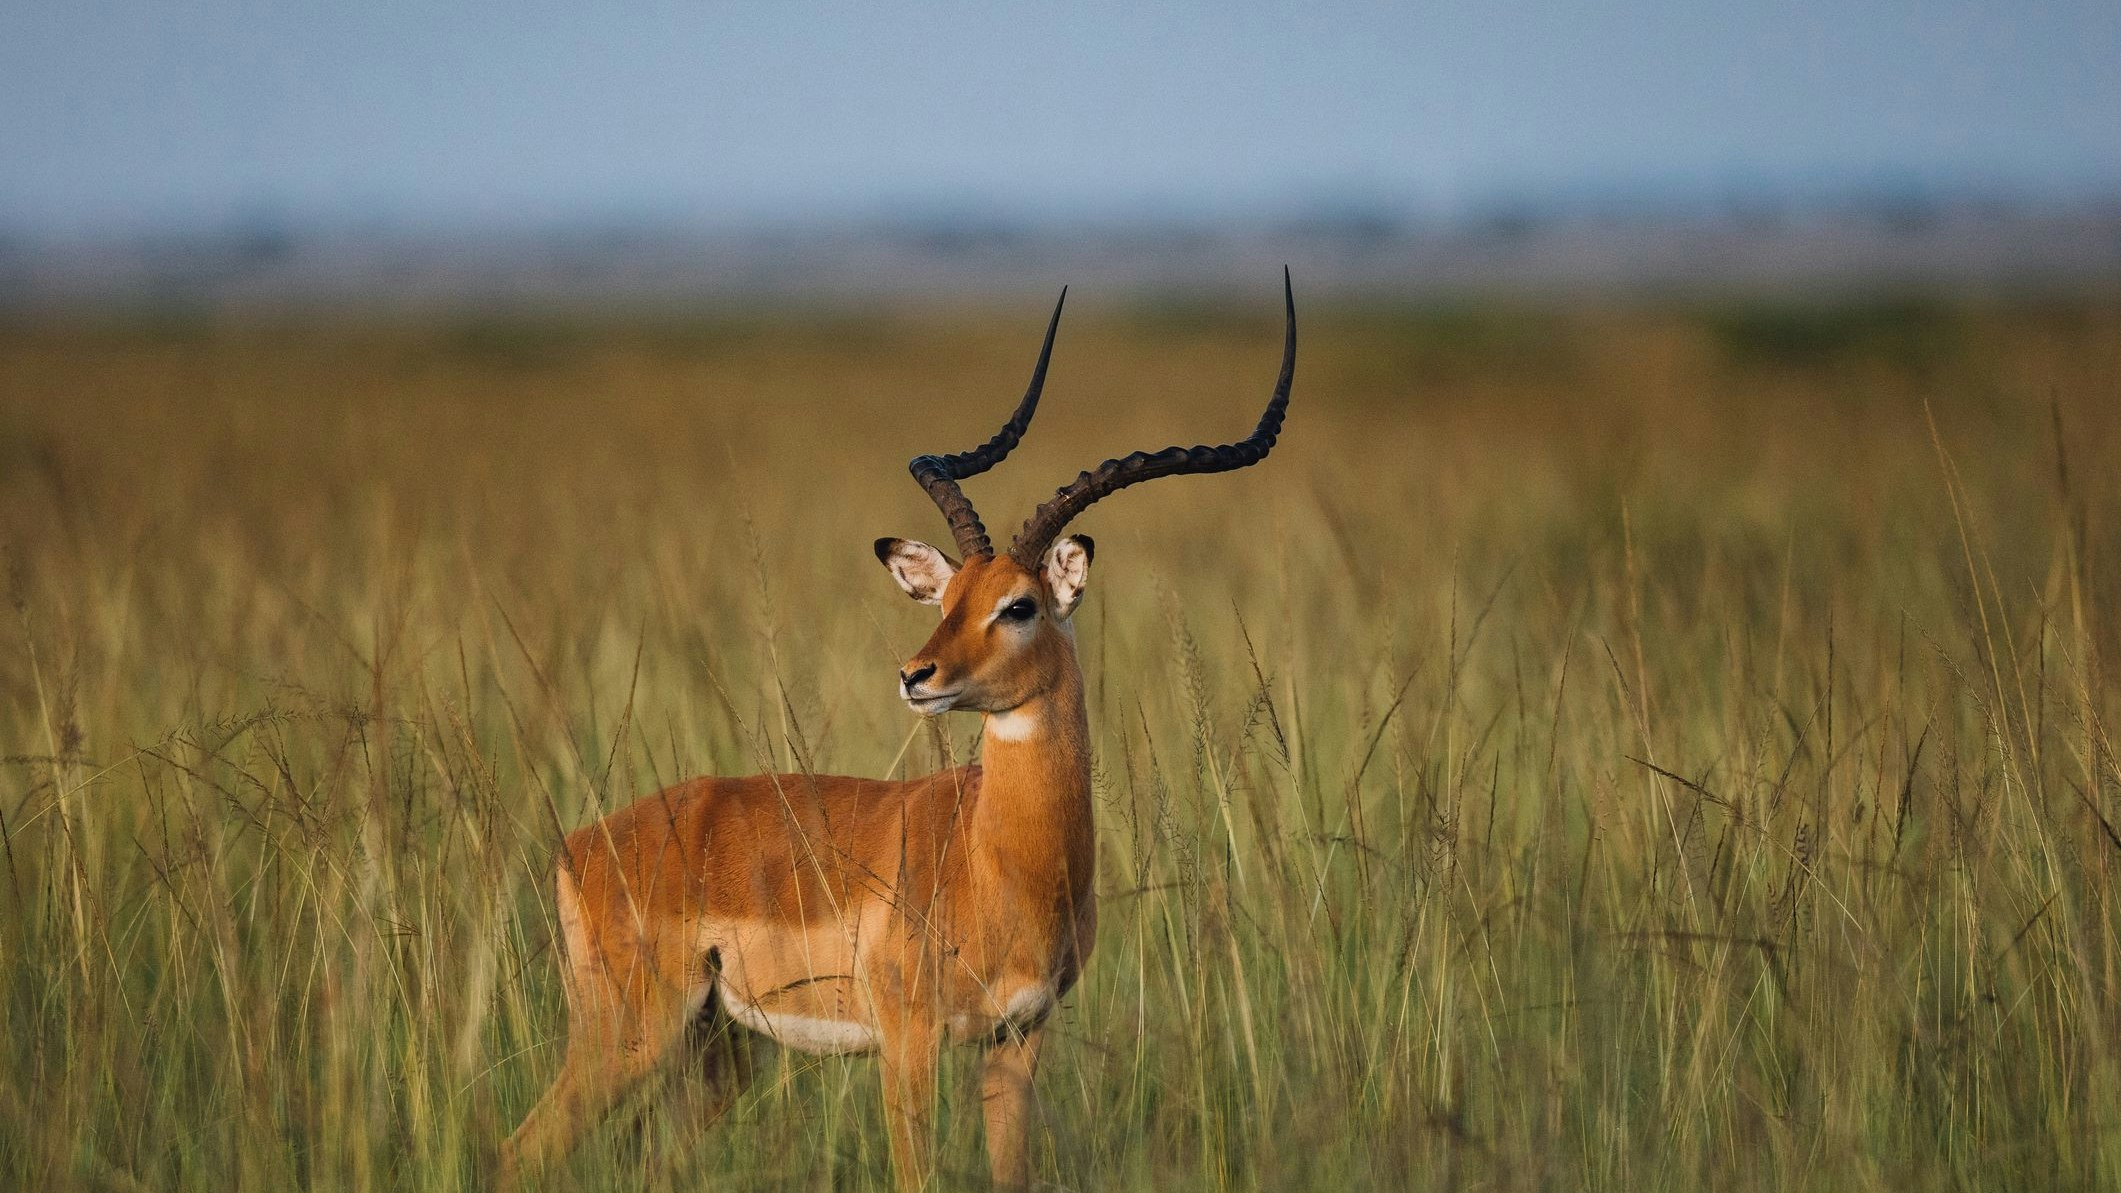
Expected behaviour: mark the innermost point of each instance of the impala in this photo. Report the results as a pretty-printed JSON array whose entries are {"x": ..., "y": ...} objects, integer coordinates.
[{"x": 843, "y": 915}]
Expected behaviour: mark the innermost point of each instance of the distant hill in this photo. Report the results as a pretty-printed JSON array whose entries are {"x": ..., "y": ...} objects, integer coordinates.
[{"x": 1964, "y": 245}]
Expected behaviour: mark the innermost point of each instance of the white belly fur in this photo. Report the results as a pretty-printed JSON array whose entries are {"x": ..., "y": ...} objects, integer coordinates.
[
  {"x": 1025, "y": 1009},
  {"x": 802, "y": 1032}
]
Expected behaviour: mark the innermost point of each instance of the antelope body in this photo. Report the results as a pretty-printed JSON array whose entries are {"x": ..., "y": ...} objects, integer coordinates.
[{"x": 833, "y": 914}]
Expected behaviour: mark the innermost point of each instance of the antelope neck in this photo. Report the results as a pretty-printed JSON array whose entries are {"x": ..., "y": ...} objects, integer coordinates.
[{"x": 1035, "y": 785}]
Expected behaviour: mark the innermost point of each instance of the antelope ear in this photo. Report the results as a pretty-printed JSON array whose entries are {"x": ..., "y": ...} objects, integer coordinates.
[
  {"x": 919, "y": 568},
  {"x": 1067, "y": 571}
]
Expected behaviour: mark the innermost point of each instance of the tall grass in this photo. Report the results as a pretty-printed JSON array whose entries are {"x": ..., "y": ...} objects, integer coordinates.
[{"x": 1601, "y": 749}]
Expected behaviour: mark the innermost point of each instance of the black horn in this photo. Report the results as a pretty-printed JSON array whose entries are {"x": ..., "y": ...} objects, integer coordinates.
[
  {"x": 939, "y": 474},
  {"x": 1046, "y": 523}
]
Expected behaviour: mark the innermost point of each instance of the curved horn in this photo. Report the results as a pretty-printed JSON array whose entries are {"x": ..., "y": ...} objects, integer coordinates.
[
  {"x": 1113, "y": 475},
  {"x": 939, "y": 474}
]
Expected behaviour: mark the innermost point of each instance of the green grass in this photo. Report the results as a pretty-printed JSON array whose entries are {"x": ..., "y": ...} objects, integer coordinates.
[{"x": 1601, "y": 749}]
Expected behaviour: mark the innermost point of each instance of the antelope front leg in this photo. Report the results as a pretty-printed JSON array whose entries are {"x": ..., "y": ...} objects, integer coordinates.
[
  {"x": 909, "y": 1056},
  {"x": 1010, "y": 1101}
]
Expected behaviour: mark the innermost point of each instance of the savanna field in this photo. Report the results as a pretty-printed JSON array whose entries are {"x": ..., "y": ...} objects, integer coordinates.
[{"x": 1662, "y": 747}]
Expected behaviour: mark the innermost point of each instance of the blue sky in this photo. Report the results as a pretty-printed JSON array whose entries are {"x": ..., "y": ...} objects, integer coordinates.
[{"x": 121, "y": 114}]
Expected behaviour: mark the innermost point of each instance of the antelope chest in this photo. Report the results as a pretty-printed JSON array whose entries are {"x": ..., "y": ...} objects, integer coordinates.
[{"x": 1001, "y": 1015}]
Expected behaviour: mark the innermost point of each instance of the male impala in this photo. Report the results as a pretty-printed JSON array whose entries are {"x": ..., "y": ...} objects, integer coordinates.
[{"x": 868, "y": 915}]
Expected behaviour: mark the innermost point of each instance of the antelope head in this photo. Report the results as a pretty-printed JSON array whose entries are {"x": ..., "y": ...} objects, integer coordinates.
[{"x": 1005, "y": 636}]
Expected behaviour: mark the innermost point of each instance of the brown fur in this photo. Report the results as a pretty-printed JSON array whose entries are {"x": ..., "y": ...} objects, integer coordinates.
[{"x": 914, "y": 911}]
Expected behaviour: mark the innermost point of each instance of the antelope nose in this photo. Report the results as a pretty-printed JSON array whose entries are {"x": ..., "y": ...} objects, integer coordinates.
[{"x": 912, "y": 679}]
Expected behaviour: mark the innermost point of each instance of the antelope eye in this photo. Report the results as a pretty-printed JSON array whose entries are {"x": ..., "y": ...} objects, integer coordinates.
[{"x": 1020, "y": 609}]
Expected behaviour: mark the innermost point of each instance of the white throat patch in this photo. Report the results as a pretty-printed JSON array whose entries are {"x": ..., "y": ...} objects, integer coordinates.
[{"x": 1014, "y": 725}]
